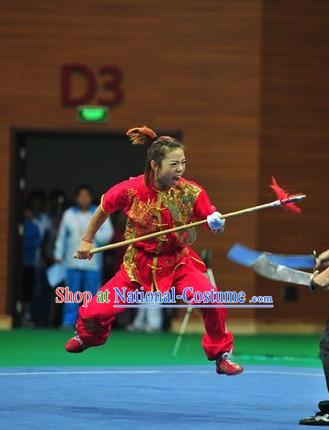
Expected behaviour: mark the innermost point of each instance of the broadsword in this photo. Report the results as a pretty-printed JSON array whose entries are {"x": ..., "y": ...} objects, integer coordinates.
[{"x": 277, "y": 272}]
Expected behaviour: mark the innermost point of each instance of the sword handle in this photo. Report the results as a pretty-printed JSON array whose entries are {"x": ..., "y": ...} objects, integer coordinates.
[
  {"x": 313, "y": 284},
  {"x": 315, "y": 257}
]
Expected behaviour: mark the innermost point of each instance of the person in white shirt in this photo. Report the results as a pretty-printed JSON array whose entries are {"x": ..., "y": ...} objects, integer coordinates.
[{"x": 82, "y": 275}]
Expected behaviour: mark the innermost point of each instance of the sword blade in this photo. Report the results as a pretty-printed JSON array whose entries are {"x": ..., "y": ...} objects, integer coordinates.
[{"x": 263, "y": 266}]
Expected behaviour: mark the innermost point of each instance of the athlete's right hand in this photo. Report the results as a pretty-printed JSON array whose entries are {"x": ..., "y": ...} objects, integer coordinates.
[
  {"x": 83, "y": 252},
  {"x": 215, "y": 222},
  {"x": 323, "y": 259}
]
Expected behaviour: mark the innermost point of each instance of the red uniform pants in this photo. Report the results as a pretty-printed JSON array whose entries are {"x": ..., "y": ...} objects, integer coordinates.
[{"x": 94, "y": 322}]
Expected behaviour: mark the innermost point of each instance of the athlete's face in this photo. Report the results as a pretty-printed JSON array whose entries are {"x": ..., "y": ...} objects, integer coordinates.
[{"x": 171, "y": 169}]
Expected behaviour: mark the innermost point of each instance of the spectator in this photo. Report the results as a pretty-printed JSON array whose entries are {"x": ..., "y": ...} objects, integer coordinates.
[
  {"x": 81, "y": 275},
  {"x": 31, "y": 244}
]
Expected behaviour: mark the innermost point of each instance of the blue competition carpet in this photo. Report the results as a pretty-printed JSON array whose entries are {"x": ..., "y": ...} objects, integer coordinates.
[{"x": 185, "y": 397}]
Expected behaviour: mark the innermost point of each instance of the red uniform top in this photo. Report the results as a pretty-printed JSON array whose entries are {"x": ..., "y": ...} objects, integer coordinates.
[{"x": 152, "y": 262}]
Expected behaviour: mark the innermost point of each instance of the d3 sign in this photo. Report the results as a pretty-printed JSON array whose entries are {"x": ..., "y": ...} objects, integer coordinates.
[{"x": 102, "y": 86}]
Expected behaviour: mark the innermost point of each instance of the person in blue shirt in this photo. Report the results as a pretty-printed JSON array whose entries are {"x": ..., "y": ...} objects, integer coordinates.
[
  {"x": 82, "y": 275},
  {"x": 31, "y": 244}
]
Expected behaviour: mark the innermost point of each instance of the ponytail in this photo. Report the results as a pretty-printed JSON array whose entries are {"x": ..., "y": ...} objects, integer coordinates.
[{"x": 141, "y": 135}]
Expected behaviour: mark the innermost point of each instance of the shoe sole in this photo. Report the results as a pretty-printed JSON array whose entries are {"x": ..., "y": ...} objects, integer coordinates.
[{"x": 229, "y": 374}]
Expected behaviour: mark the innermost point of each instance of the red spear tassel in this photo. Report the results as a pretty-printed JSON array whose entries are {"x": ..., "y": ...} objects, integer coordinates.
[{"x": 281, "y": 194}]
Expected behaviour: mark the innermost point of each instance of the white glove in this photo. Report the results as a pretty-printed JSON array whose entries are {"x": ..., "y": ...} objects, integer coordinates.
[{"x": 215, "y": 222}]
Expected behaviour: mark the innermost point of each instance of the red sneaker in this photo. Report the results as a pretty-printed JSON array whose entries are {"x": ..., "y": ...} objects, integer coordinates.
[
  {"x": 75, "y": 344},
  {"x": 226, "y": 366}
]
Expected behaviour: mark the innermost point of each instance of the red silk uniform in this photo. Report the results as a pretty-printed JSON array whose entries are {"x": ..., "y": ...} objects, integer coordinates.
[{"x": 159, "y": 263}]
